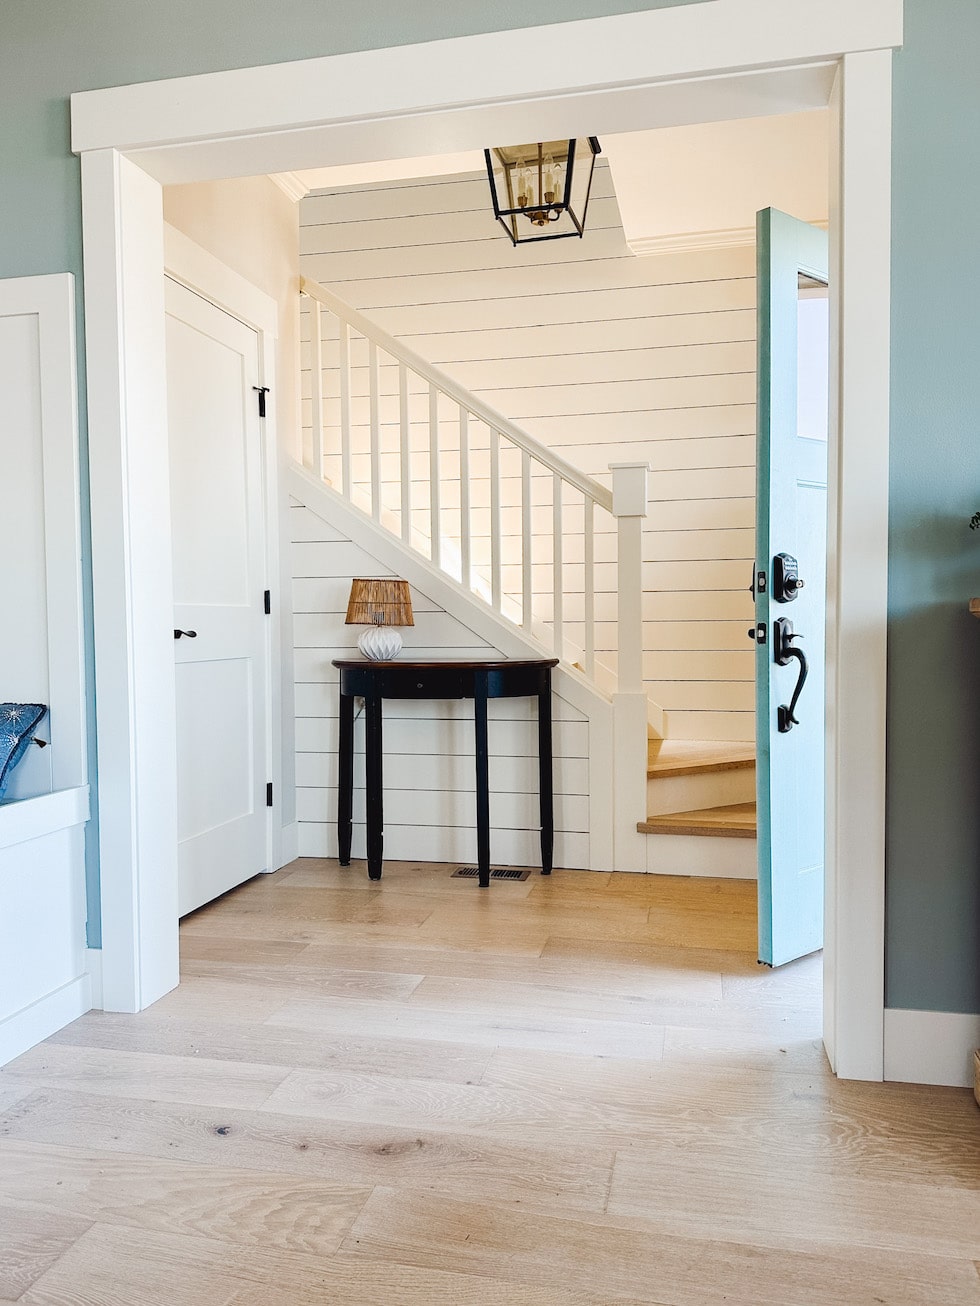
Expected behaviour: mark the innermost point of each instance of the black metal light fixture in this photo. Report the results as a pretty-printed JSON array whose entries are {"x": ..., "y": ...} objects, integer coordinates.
[{"x": 541, "y": 191}]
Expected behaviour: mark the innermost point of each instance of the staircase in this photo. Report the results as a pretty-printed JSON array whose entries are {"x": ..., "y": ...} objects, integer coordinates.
[
  {"x": 475, "y": 505},
  {"x": 704, "y": 790}
]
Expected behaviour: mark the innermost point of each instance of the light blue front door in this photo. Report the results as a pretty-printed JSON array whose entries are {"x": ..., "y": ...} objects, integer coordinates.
[{"x": 789, "y": 581}]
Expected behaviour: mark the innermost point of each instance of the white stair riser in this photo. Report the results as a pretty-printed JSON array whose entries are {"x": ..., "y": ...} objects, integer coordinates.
[
  {"x": 692, "y": 854},
  {"x": 688, "y": 793}
]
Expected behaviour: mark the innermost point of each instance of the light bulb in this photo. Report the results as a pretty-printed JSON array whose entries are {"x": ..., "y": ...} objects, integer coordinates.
[
  {"x": 523, "y": 176},
  {"x": 549, "y": 187}
]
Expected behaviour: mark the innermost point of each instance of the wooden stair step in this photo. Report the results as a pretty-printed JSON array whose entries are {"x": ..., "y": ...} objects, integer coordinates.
[
  {"x": 736, "y": 821},
  {"x": 670, "y": 757}
]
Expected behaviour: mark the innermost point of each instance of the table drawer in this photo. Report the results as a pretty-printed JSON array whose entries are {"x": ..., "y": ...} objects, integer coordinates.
[{"x": 409, "y": 682}]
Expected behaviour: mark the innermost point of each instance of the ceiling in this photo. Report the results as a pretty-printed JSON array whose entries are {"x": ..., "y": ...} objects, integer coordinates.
[{"x": 688, "y": 186}]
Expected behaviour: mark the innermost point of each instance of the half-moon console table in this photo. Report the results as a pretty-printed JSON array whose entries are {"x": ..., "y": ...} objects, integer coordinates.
[{"x": 376, "y": 681}]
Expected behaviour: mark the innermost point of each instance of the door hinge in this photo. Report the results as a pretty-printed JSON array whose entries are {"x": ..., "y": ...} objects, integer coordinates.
[
  {"x": 268, "y": 794},
  {"x": 261, "y": 391},
  {"x": 268, "y": 602}
]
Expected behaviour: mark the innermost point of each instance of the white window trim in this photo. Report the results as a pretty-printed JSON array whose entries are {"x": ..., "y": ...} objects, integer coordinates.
[{"x": 661, "y": 66}]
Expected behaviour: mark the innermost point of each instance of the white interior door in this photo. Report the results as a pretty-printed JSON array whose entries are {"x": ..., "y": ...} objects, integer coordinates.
[{"x": 219, "y": 595}]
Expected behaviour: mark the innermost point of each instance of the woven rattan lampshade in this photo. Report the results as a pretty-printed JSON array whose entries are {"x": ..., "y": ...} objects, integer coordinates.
[{"x": 379, "y": 603}]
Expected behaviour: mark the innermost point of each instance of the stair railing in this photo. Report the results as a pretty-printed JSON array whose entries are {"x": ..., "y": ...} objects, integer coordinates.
[{"x": 626, "y": 502}]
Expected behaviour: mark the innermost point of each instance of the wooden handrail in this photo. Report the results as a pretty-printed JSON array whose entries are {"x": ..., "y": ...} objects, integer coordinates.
[{"x": 470, "y": 402}]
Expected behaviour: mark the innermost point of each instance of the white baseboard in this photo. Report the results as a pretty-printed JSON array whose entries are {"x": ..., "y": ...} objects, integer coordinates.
[
  {"x": 930, "y": 1047},
  {"x": 24, "y": 1029},
  {"x": 289, "y": 847},
  {"x": 93, "y": 959}
]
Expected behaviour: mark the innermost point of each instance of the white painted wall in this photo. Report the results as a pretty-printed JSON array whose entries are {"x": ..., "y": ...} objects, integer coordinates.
[
  {"x": 604, "y": 357},
  {"x": 704, "y": 183},
  {"x": 428, "y": 746},
  {"x": 252, "y": 227}
]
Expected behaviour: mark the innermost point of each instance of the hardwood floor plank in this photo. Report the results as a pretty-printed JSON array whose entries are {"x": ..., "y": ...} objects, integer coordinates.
[
  {"x": 679, "y": 973},
  {"x": 380, "y": 904},
  {"x": 295, "y": 980},
  {"x": 505, "y": 998},
  {"x": 225, "y": 1040},
  {"x": 403, "y": 1020},
  {"x": 433, "y": 1233},
  {"x": 156, "y": 1077},
  {"x": 412, "y": 1091},
  {"x": 112, "y": 1266},
  {"x": 458, "y": 1163},
  {"x": 778, "y": 1206},
  {"x": 31, "y": 1242},
  {"x": 352, "y": 1282},
  {"x": 640, "y": 957},
  {"x": 238, "y": 1207},
  {"x": 120, "y": 1267},
  {"x": 260, "y": 952},
  {"x": 327, "y": 875}
]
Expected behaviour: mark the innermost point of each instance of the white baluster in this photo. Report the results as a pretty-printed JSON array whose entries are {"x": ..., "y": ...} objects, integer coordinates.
[
  {"x": 375, "y": 401},
  {"x": 558, "y": 568},
  {"x": 588, "y": 508},
  {"x": 345, "y": 459},
  {"x": 465, "y": 547},
  {"x": 405, "y": 448},
  {"x": 316, "y": 385},
  {"x": 495, "y": 592},
  {"x": 629, "y": 509},
  {"x": 435, "y": 516},
  {"x": 527, "y": 524}
]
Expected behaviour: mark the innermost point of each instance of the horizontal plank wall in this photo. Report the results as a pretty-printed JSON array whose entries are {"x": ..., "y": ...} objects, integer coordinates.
[
  {"x": 603, "y": 356},
  {"x": 429, "y": 786}
]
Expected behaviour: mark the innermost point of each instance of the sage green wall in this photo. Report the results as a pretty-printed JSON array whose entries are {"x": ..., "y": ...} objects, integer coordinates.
[
  {"x": 49, "y": 48},
  {"x": 933, "y": 865}
]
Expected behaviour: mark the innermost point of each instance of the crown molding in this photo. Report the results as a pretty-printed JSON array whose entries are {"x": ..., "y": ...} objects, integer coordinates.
[
  {"x": 290, "y": 184},
  {"x": 691, "y": 242}
]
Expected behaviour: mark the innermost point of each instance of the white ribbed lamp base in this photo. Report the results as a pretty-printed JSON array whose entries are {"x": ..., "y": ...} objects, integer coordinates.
[{"x": 380, "y": 643}]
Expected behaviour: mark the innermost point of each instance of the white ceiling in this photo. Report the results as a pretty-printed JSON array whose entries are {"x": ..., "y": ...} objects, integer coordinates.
[{"x": 677, "y": 186}]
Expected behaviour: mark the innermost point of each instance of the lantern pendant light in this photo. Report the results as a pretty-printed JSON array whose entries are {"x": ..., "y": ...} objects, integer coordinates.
[{"x": 541, "y": 191}]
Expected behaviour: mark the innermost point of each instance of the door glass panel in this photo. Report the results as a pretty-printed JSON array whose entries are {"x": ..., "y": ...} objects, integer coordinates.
[{"x": 813, "y": 358}]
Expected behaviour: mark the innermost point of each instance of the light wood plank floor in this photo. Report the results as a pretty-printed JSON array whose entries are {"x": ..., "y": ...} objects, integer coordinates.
[{"x": 579, "y": 1091}]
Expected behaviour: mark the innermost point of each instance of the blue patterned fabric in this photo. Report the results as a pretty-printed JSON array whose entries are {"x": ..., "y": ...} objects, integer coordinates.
[{"x": 18, "y": 721}]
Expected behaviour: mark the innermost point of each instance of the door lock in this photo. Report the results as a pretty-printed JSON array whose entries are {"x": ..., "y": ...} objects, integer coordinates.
[{"x": 786, "y": 583}]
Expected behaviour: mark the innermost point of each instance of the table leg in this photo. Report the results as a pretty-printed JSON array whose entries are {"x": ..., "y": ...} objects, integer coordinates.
[
  {"x": 373, "y": 781},
  {"x": 345, "y": 780},
  {"x": 545, "y": 778},
  {"x": 482, "y": 779}
]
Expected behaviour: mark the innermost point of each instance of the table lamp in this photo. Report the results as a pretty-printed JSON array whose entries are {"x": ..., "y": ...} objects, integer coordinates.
[{"x": 382, "y": 606}]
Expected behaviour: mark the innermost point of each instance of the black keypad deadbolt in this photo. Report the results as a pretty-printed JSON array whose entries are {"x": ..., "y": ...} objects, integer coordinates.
[{"x": 786, "y": 583}]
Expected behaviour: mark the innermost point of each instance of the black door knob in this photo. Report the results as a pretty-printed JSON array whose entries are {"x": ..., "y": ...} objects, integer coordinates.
[{"x": 191, "y": 634}]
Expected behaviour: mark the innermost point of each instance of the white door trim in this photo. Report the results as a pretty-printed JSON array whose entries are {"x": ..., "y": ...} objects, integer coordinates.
[{"x": 629, "y": 71}]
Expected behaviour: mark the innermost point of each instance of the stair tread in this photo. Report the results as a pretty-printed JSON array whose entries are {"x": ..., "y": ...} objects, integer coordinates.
[
  {"x": 735, "y": 821},
  {"x": 670, "y": 757}
]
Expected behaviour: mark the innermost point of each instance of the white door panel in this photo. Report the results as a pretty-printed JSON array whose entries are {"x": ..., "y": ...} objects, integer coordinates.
[{"x": 218, "y": 558}]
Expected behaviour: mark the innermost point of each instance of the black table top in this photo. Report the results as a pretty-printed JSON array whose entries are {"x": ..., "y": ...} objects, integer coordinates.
[{"x": 429, "y": 664}]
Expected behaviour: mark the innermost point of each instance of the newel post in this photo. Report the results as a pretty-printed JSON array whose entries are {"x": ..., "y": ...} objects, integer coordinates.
[{"x": 629, "y": 487}]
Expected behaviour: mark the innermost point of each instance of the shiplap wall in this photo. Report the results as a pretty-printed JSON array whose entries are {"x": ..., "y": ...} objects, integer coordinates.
[
  {"x": 604, "y": 357},
  {"x": 429, "y": 785}
]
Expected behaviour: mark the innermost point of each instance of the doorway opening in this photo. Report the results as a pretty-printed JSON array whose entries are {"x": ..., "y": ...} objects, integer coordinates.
[{"x": 119, "y": 192}]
